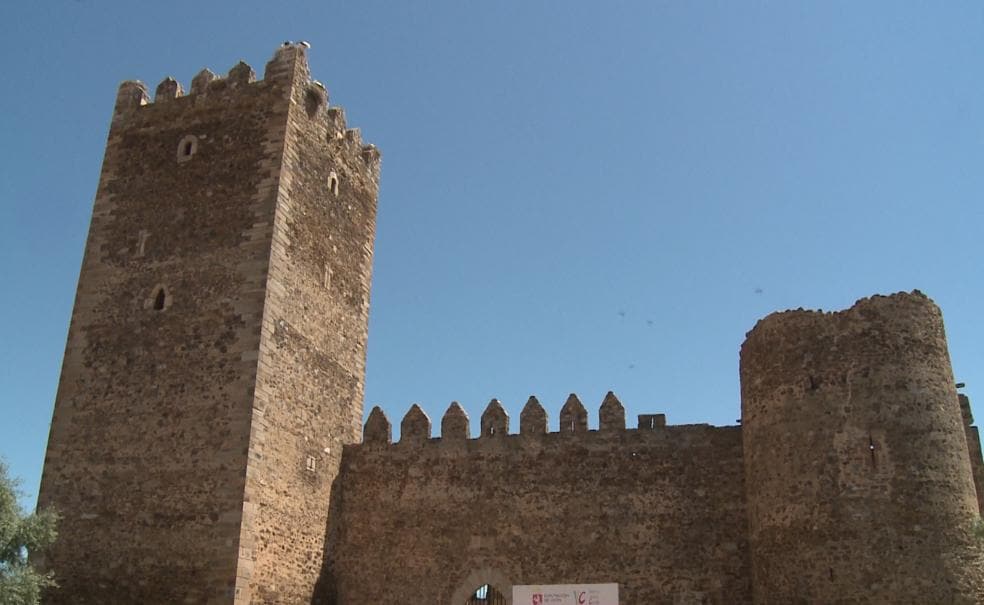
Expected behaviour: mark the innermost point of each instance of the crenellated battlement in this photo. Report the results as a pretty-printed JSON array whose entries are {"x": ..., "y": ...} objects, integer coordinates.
[
  {"x": 415, "y": 427},
  {"x": 285, "y": 64},
  {"x": 286, "y": 73},
  {"x": 627, "y": 504},
  {"x": 237, "y": 210},
  {"x": 213, "y": 385}
]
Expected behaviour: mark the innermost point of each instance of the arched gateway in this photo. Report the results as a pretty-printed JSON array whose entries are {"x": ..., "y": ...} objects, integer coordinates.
[{"x": 483, "y": 587}]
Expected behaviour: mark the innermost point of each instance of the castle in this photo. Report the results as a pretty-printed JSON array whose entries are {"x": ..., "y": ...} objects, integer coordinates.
[{"x": 207, "y": 442}]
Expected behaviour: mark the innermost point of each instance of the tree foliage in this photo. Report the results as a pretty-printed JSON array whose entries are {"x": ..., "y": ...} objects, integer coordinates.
[
  {"x": 977, "y": 529},
  {"x": 21, "y": 534}
]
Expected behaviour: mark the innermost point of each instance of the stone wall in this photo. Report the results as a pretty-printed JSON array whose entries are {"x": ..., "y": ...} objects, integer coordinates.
[
  {"x": 146, "y": 458},
  {"x": 857, "y": 472},
  {"x": 310, "y": 381},
  {"x": 659, "y": 510},
  {"x": 974, "y": 445},
  {"x": 216, "y": 354},
  {"x": 204, "y": 440}
]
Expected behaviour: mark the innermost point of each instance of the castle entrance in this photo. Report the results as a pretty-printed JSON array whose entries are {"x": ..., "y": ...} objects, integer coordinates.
[{"x": 486, "y": 594}]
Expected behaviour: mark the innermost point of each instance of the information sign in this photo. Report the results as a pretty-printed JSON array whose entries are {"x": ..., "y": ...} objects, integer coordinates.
[{"x": 566, "y": 594}]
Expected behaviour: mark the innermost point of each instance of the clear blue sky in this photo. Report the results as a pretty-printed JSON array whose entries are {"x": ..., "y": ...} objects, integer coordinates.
[{"x": 576, "y": 196}]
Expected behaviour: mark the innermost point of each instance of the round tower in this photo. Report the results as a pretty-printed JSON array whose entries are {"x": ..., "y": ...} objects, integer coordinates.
[{"x": 857, "y": 472}]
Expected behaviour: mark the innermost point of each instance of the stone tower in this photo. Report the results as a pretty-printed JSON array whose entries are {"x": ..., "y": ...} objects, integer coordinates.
[
  {"x": 216, "y": 357},
  {"x": 857, "y": 474}
]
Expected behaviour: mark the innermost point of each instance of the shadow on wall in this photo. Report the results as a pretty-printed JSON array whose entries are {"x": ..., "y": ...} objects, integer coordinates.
[{"x": 325, "y": 589}]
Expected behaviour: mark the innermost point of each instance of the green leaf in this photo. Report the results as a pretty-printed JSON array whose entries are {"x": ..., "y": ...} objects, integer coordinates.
[{"x": 20, "y": 534}]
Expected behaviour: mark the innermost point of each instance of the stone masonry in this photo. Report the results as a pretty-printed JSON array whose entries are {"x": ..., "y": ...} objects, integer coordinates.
[
  {"x": 207, "y": 442},
  {"x": 850, "y": 480},
  {"x": 660, "y": 511},
  {"x": 216, "y": 354},
  {"x": 861, "y": 487}
]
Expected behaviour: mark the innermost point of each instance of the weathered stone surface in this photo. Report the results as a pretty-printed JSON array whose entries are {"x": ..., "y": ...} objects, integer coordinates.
[
  {"x": 651, "y": 422},
  {"x": 378, "y": 428},
  {"x": 311, "y": 374},
  {"x": 131, "y": 95},
  {"x": 200, "y": 82},
  {"x": 241, "y": 74},
  {"x": 204, "y": 446},
  {"x": 858, "y": 483},
  {"x": 454, "y": 424},
  {"x": 495, "y": 420},
  {"x": 416, "y": 426},
  {"x": 533, "y": 418},
  {"x": 855, "y": 489},
  {"x": 195, "y": 438},
  {"x": 611, "y": 415},
  {"x": 168, "y": 90},
  {"x": 573, "y": 416},
  {"x": 974, "y": 445},
  {"x": 660, "y": 512}
]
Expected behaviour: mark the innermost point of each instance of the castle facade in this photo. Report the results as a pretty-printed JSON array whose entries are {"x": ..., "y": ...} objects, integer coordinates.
[{"x": 207, "y": 443}]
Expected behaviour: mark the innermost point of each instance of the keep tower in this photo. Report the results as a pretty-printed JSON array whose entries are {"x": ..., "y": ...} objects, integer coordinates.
[{"x": 216, "y": 356}]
